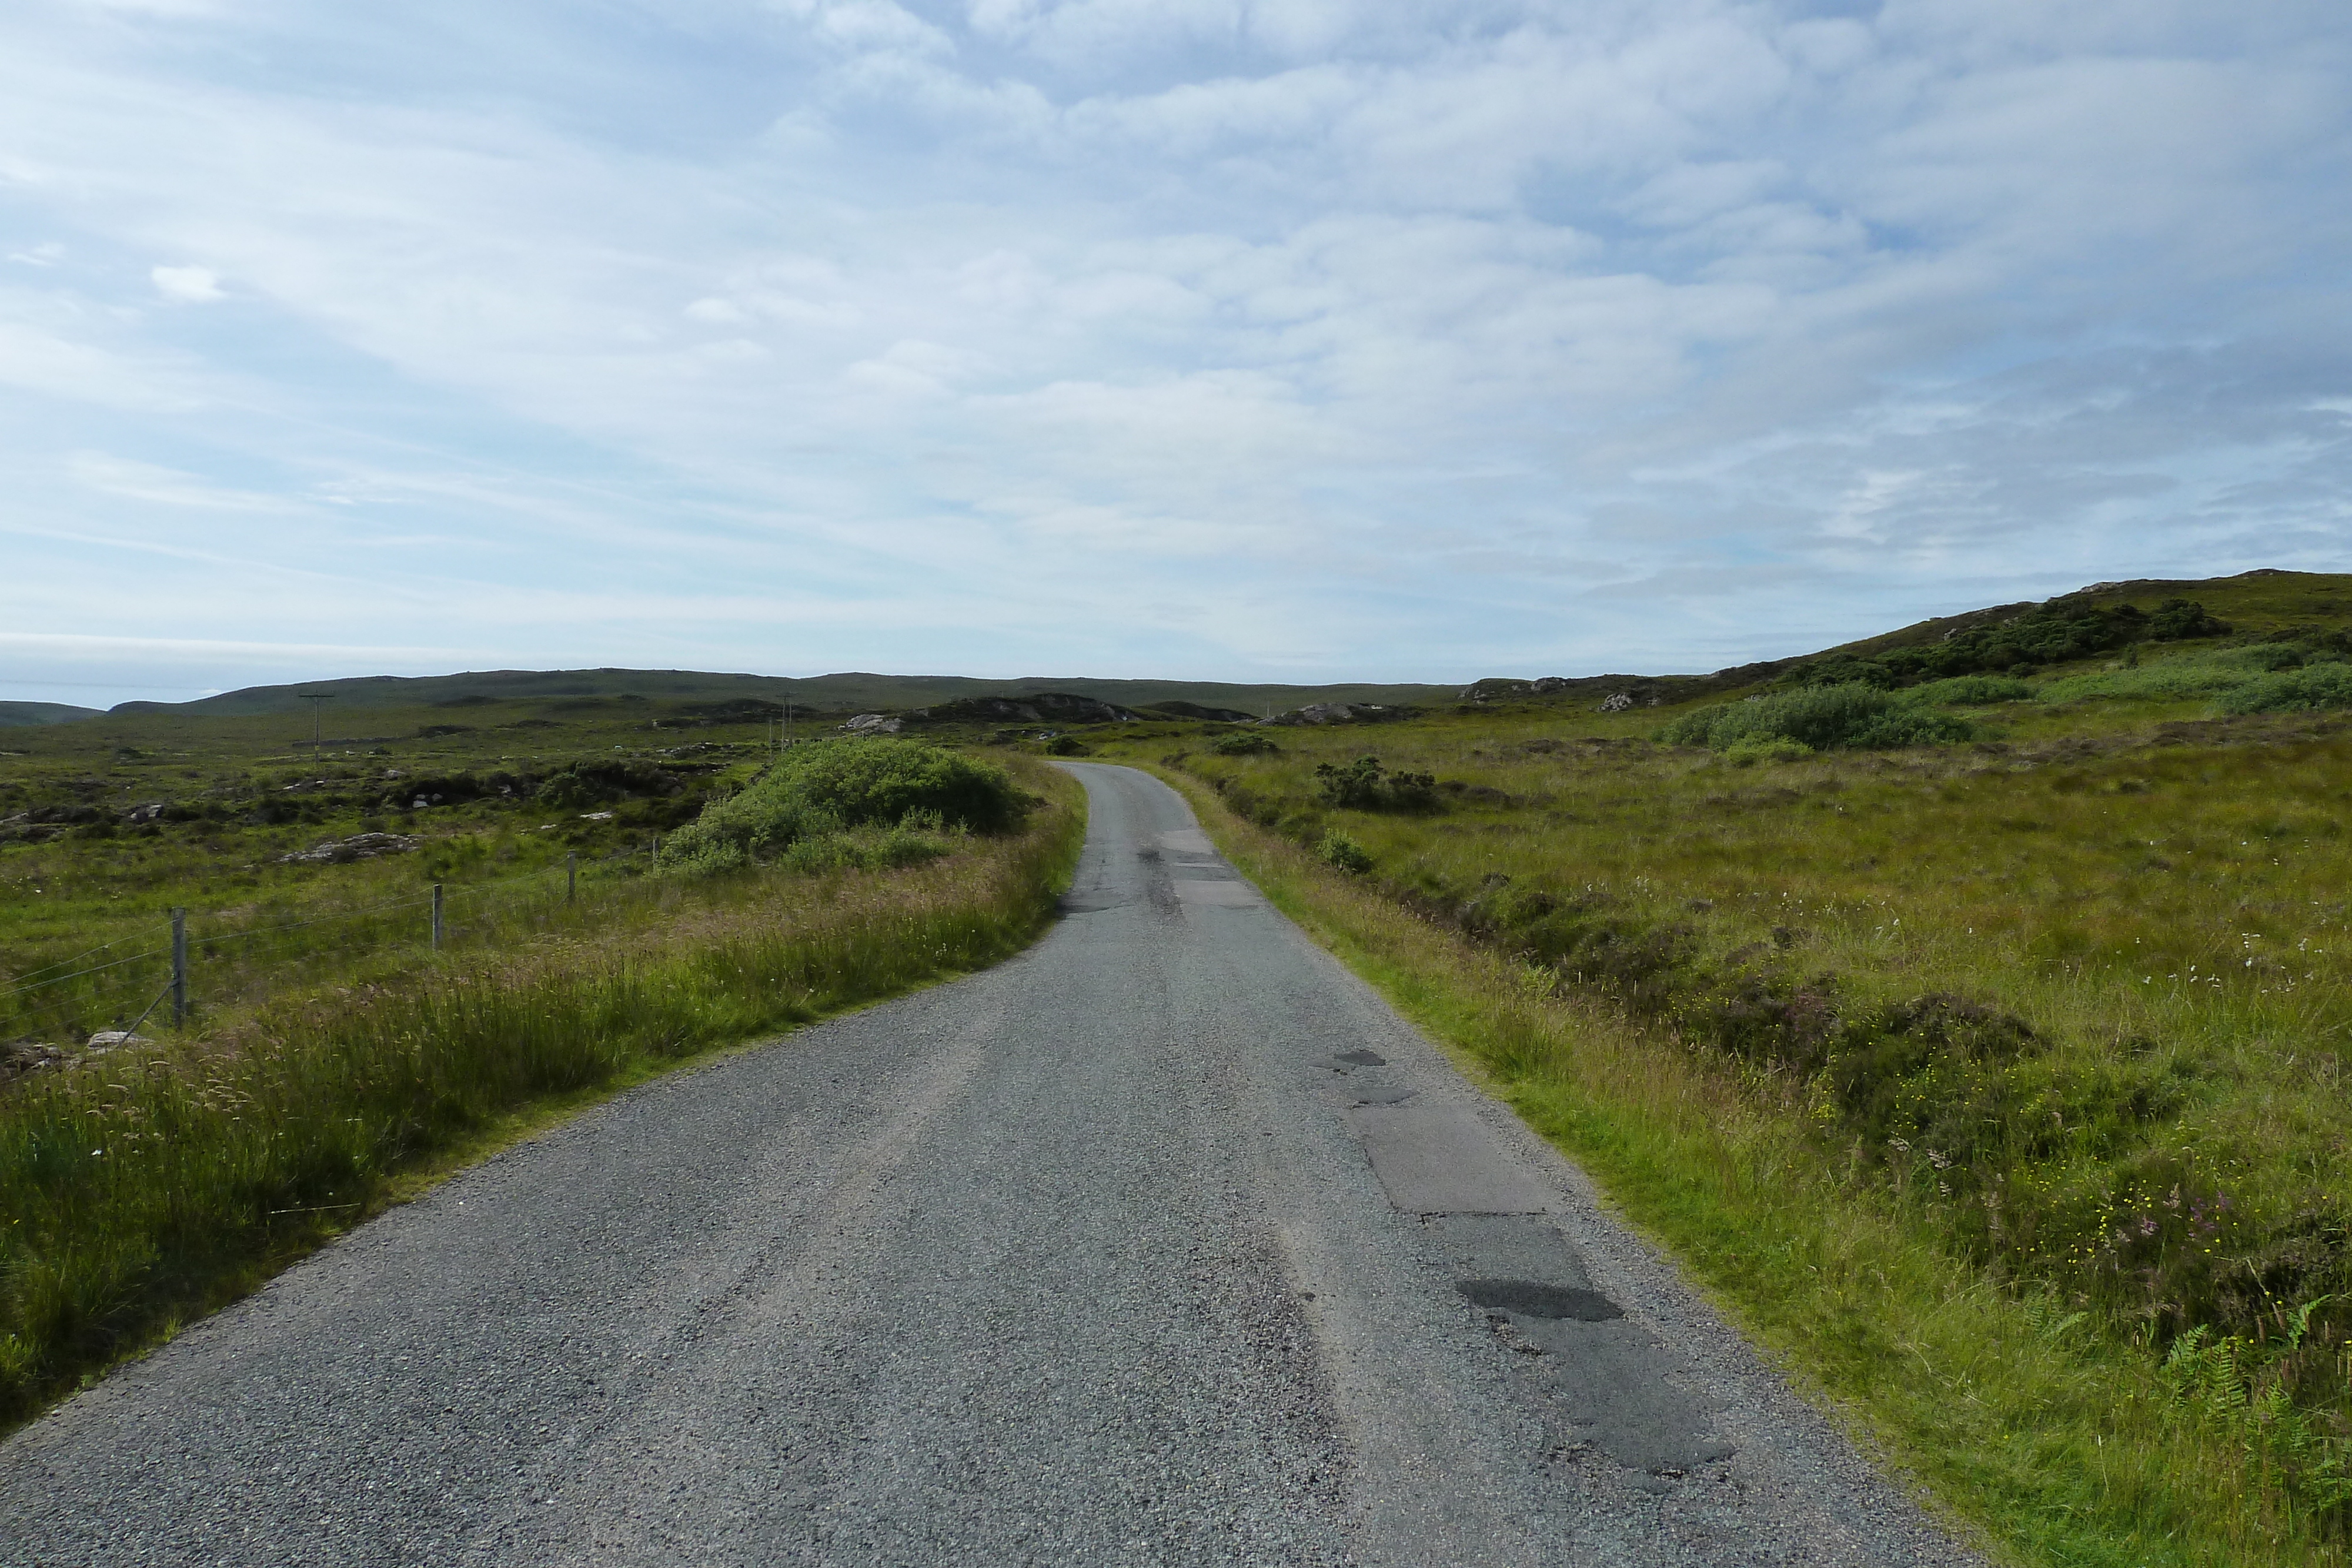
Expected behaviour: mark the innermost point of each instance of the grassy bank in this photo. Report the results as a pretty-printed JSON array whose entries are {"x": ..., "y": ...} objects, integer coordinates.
[
  {"x": 2061, "y": 1443},
  {"x": 152, "y": 1185}
]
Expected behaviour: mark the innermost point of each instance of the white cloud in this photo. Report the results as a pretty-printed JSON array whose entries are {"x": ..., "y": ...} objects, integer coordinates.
[
  {"x": 52, "y": 365},
  {"x": 131, "y": 480},
  {"x": 188, "y": 285},
  {"x": 911, "y": 367}
]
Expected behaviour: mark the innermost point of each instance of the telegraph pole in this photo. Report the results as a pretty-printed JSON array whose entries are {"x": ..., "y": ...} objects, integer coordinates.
[{"x": 317, "y": 701}]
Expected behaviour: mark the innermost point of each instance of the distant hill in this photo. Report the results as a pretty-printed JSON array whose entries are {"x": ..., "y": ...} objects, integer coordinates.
[
  {"x": 14, "y": 715},
  {"x": 849, "y": 693},
  {"x": 2256, "y": 603}
]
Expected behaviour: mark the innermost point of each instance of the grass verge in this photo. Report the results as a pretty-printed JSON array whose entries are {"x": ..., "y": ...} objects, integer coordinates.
[
  {"x": 150, "y": 1187},
  {"x": 2051, "y": 1442}
]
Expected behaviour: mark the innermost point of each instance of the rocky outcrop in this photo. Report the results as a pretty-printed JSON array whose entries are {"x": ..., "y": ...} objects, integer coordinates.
[
  {"x": 358, "y": 847},
  {"x": 1495, "y": 687},
  {"x": 874, "y": 724},
  {"x": 1340, "y": 712},
  {"x": 1037, "y": 707},
  {"x": 1196, "y": 711}
]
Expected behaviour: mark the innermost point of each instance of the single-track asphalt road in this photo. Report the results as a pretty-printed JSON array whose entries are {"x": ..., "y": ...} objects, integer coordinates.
[{"x": 1166, "y": 1242}]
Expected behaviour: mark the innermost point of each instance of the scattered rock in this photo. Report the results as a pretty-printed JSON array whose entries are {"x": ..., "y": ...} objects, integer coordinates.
[
  {"x": 874, "y": 724},
  {"x": 1338, "y": 713},
  {"x": 1037, "y": 707},
  {"x": 29, "y": 1056},
  {"x": 358, "y": 847},
  {"x": 108, "y": 1039}
]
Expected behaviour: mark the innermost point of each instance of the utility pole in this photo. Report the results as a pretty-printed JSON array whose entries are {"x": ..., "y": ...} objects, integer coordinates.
[{"x": 317, "y": 701}]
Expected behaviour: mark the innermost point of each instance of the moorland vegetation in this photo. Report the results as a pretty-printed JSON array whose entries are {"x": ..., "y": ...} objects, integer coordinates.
[
  {"x": 1973, "y": 1016},
  {"x": 333, "y": 1057}
]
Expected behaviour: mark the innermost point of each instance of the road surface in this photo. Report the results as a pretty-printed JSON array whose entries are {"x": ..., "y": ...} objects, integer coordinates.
[{"x": 1165, "y": 1242}]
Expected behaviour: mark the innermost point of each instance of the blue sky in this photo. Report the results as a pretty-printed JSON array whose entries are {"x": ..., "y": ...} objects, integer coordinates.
[{"x": 1298, "y": 340}]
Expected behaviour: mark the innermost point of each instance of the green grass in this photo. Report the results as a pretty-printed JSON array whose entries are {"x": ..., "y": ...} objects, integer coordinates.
[
  {"x": 107, "y": 825},
  {"x": 151, "y": 1184}
]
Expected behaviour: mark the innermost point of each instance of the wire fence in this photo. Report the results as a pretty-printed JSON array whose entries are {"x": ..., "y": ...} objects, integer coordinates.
[{"x": 165, "y": 974}]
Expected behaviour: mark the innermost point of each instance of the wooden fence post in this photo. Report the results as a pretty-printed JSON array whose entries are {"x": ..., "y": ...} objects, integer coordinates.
[{"x": 179, "y": 967}]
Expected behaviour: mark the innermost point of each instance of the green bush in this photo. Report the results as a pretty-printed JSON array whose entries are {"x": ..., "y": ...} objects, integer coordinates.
[
  {"x": 888, "y": 850},
  {"x": 1248, "y": 743},
  {"x": 1364, "y": 785},
  {"x": 1969, "y": 691},
  {"x": 821, "y": 790},
  {"x": 2052, "y": 633},
  {"x": 2263, "y": 678},
  {"x": 1823, "y": 718},
  {"x": 1840, "y": 670},
  {"x": 2286, "y": 691},
  {"x": 1338, "y": 849},
  {"x": 1066, "y": 745}
]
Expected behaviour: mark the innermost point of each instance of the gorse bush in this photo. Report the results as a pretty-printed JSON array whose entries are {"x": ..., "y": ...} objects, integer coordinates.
[
  {"x": 1823, "y": 718},
  {"x": 2052, "y": 633},
  {"x": 1338, "y": 849},
  {"x": 827, "y": 788},
  {"x": 1970, "y": 690},
  {"x": 1246, "y": 744},
  {"x": 1364, "y": 785},
  {"x": 2267, "y": 678},
  {"x": 870, "y": 782},
  {"x": 2286, "y": 691}
]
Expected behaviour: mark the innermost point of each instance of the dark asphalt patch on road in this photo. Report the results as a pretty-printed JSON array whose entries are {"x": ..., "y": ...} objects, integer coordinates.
[{"x": 1533, "y": 1299}]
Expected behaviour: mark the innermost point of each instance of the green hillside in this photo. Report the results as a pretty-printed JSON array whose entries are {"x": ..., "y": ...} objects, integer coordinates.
[
  {"x": 2103, "y": 618},
  {"x": 16, "y": 714}
]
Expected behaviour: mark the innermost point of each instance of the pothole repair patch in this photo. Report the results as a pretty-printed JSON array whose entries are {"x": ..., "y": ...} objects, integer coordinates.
[{"x": 1533, "y": 1299}]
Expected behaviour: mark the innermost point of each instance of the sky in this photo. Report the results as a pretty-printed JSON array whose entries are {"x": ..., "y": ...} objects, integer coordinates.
[{"x": 1216, "y": 340}]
